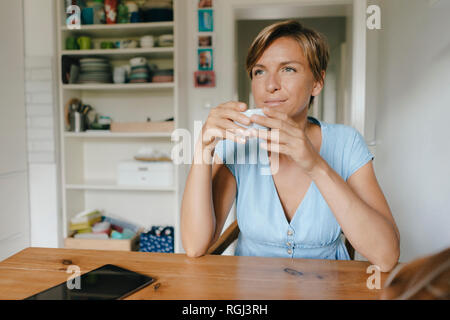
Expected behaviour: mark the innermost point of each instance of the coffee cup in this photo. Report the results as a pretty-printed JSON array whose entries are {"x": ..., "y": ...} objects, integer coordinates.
[
  {"x": 128, "y": 44},
  {"x": 84, "y": 43},
  {"x": 147, "y": 42},
  {"x": 107, "y": 45},
  {"x": 119, "y": 75},
  {"x": 138, "y": 61},
  {"x": 87, "y": 15},
  {"x": 249, "y": 113},
  {"x": 134, "y": 18},
  {"x": 71, "y": 43}
]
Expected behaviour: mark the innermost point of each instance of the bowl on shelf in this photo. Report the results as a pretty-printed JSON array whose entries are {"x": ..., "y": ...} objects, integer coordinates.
[
  {"x": 163, "y": 75},
  {"x": 165, "y": 40},
  {"x": 138, "y": 61}
]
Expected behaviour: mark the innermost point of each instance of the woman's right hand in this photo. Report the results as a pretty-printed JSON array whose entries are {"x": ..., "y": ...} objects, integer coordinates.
[{"x": 220, "y": 125}]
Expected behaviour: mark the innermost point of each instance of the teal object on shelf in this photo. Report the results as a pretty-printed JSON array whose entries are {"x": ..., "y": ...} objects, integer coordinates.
[{"x": 116, "y": 235}]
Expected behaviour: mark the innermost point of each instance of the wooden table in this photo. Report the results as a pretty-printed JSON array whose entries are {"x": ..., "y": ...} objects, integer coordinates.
[{"x": 180, "y": 277}]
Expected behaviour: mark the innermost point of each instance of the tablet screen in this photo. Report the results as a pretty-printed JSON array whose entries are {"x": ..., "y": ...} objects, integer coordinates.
[{"x": 108, "y": 282}]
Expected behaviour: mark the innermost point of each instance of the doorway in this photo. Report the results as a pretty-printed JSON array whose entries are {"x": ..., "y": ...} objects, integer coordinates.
[{"x": 345, "y": 87}]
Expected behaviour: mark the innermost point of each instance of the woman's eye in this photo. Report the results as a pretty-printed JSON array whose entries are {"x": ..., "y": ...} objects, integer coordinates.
[
  {"x": 289, "y": 69},
  {"x": 257, "y": 72}
]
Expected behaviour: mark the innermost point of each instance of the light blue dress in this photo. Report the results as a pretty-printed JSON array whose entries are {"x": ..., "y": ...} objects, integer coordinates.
[{"x": 313, "y": 232}]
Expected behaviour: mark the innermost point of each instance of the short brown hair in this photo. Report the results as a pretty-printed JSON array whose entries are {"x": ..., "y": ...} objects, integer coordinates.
[{"x": 314, "y": 45}]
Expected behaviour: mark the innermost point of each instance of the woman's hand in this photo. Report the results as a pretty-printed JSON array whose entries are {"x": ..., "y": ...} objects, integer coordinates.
[
  {"x": 289, "y": 139},
  {"x": 220, "y": 125}
]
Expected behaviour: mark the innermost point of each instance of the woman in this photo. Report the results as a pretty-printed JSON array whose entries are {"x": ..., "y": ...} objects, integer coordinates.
[{"x": 321, "y": 182}]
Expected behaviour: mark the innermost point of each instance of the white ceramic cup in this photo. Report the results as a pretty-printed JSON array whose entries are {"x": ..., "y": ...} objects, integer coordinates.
[
  {"x": 128, "y": 44},
  {"x": 249, "y": 113},
  {"x": 147, "y": 41},
  {"x": 119, "y": 75},
  {"x": 132, "y": 7},
  {"x": 138, "y": 61}
]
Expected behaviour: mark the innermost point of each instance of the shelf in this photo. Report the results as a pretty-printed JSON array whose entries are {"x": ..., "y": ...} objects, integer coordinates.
[
  {"x": 125, "y": 29},
  {"x": 121, "y": 86},
  {"x": 111, "y": 185},
  {"x": 113, "y": 135},
  {"x": 89, "y": 159},
  {"x": 121, "y": 54}
]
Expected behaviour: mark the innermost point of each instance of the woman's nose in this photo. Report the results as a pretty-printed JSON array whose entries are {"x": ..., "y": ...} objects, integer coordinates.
[{"x": 273, "y": 83}]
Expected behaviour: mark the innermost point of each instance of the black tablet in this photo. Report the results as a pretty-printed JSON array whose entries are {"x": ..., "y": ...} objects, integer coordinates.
[{"x": 108, "y": 282}]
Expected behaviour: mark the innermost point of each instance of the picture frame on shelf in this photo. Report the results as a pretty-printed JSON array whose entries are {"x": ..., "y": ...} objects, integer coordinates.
[
  {"x": 205, "y": 4},
  {"x": 205, "y": 59},
  {"x": 205, "y": 41},
  {"x": 205, "y": 20},
  {"x": 204, "y": 79}
]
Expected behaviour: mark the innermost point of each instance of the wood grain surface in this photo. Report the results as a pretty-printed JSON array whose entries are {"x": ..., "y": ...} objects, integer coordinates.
[{"x": 206, "y": 278}]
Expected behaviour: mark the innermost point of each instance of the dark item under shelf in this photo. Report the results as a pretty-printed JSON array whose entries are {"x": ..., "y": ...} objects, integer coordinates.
[
  {"x": 156, "y": 14},
  {"x": 66, "y": 66}
]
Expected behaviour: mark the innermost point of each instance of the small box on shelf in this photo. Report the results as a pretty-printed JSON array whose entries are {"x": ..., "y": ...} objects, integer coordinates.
[
  {"x": 150, "y": 126},
  {"x": 103, "y": 244},
  {"x": 157, "y": 174}
]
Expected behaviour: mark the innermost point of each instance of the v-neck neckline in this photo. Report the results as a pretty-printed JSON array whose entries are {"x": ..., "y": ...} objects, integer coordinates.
[{"x": 274, "y": 188}]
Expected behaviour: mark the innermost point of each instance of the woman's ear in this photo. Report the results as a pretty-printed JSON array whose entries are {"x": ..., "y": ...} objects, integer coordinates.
[{"x": 318, "y": 85}]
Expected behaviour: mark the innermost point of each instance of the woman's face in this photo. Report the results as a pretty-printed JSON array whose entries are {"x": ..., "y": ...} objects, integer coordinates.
[{"x": 282, "y": 78}]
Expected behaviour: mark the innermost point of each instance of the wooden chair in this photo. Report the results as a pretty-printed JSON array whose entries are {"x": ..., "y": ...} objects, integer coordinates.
[{"x": 232, "y": 233}]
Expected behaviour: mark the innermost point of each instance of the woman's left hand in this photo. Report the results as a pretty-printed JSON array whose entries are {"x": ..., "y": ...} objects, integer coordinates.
[{"x": 291, "y": 140}]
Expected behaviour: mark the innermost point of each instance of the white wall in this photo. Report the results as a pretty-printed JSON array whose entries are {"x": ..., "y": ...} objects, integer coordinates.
[
  {"x": 14, "y": 214},
  {"x": 412, "y": 114},
  {"x": 39, "y": 27}
]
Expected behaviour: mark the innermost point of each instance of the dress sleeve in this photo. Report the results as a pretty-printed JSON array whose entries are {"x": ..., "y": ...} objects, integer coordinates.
[
  {"x": 225, "y": 150},
  {"x": 359, "y": 154}
]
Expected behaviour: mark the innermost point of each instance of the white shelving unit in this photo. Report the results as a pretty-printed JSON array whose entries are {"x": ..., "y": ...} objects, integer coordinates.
[{"x": 89, "y": 160}]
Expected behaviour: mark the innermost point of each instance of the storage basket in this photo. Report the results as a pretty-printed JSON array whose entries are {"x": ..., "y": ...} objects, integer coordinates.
[{"x": 158, "y": 239}]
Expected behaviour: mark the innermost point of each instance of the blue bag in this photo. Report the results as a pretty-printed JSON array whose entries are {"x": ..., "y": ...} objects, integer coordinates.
[{"x": 158, "y": 239}]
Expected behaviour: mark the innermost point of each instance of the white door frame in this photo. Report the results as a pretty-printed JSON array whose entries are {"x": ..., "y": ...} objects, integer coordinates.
[{"x": 229, "y": 14}]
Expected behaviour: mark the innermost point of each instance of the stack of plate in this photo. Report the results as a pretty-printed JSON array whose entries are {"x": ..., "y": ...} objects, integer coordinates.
[
  {"x": 139, "y": 74},
  {"x": 95, "y": 70}
]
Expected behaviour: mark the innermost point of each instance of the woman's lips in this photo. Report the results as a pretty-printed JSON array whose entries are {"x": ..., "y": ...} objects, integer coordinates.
[{"x": 274, "y": 103}]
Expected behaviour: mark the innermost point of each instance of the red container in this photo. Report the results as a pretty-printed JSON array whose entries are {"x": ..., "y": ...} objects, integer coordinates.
[{"x": 111, "y": 11}]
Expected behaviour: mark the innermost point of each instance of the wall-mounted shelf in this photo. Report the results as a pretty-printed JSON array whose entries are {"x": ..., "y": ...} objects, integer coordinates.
[
  {"x": 124, "y": 86},
  {"x": 115, "y": 135},
  {"x": 112, "y": 186},
  {"x": 125, "y": 29},
  {"x": 122, "y": 54}
]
